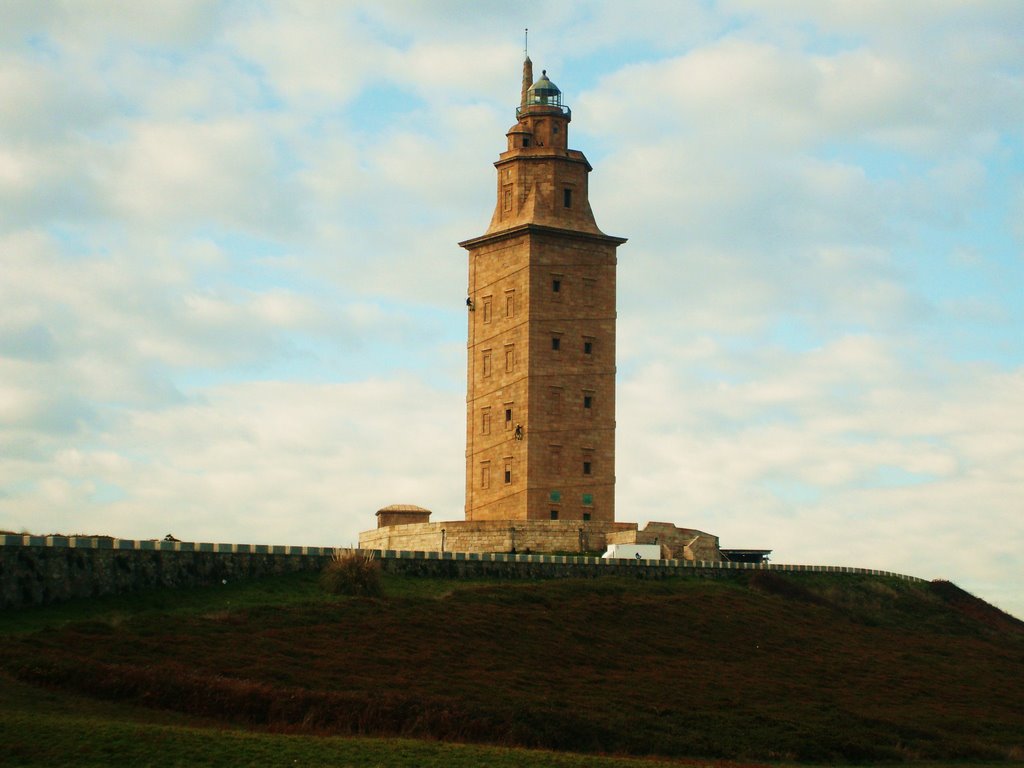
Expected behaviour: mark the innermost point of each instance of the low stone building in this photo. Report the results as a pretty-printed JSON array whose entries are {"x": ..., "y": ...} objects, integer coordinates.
[
  {"x": 539, "y": 536},
  {"x": 402, "y": 514},
  {"x": 676, "y": 543}
]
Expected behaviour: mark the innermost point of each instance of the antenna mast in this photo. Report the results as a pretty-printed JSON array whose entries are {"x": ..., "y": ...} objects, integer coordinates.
[{"x": 526, "y": 39}]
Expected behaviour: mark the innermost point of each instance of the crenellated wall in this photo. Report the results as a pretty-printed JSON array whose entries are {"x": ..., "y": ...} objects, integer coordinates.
[{"x": 36, "y": 570}]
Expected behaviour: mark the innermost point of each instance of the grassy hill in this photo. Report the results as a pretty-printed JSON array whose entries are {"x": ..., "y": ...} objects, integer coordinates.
[{"x": 804, "y": 667}]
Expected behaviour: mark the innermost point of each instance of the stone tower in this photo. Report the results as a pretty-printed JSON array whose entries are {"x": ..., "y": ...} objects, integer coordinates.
[{"x": 540, "y": 405}]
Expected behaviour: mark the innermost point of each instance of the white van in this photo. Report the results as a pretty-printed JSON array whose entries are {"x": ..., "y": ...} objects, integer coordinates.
[{"x": 633, "y": 551}]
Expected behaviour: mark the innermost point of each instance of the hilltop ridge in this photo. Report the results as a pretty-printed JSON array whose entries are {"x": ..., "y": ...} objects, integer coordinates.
[{"x": 757, "y": 666}]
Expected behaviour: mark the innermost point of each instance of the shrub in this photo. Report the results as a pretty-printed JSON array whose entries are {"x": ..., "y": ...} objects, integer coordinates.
[{"x": 352, "y": 573}]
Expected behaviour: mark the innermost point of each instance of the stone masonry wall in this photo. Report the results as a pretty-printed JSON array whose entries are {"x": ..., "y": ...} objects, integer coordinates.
[
  {"x": 676, "y": 543},
  {"x": 37, "y": 570},
  {"x": 495, "y": 536}
]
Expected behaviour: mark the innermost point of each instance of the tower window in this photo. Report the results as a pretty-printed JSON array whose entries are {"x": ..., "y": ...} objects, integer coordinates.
[
  {"x": 510, "y": 303},
  {"x": 586, "y": 516},
  {"x": 487, "y": 309},
  {"x": 485, "y": 421},
  {"x": 507, "y": 198},
  {"x": 487, "y": 362},
  {"x": 554, "y": 514},
  {"x": 556, "y": 343},
  {"x": 567, "y": 197},
  {"x": 510, "y": 358},
  {"x": 587, "y": 467},
  {"x": 508, "y": 470},
  {"x": 556, "y": 284},
  {"x": 526, "y": 141},
  {"x": 588, "y": 402},
  {"x": 588, "y": 346},
  {"x": 508, "y": 417},
  {"x": 485, "y": 474},
  {"x": 588, "y": 499}
]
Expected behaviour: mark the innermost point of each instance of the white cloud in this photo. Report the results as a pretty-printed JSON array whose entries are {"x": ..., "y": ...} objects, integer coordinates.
[
  {"x": 219, "y": 172},
  {"x": 272, "y": 461},
  {"x": 315, "y": 56},
  {"x": 847, "y": 455}
]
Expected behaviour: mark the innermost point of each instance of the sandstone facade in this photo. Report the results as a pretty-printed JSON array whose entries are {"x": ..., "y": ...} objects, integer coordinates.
[
  {"x": 540, "y": 405},
  {"x": 402, "y": 514},
  {"x": 676, "y": 543},
  {"x": 569, "y": 536}
]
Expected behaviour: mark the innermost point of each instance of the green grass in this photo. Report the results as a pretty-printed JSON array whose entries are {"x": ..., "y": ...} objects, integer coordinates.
[
  {"x": 758, "y": 667},
  {"x": 46, "y": 728},
  {"x": 278, "y": 591}
]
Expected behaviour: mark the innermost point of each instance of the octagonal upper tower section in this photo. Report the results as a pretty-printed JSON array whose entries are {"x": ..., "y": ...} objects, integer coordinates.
[{"x": 540, "y": 180}]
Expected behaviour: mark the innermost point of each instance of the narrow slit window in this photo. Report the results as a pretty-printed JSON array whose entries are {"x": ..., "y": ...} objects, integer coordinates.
[
  {"x": 487, "y": 362},
  {"x": 587, "y": 467},
  {"x": 567, "y": 197},
  {"x": 508, "y": 471},
  {"x": 485, "y": 421},
  {"x": 554, "y": 514},
  {"x": 556, "y": 343},
  {"x": 508, "y": 417}
]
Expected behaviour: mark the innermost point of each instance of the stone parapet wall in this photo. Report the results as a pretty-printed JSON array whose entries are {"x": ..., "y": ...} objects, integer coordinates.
[
  {"x": 496, "y": 536},
  {"x": 500, "y": 565},
  {"x": 37, "y": 570},
  {"x": 460, "y": 564}
]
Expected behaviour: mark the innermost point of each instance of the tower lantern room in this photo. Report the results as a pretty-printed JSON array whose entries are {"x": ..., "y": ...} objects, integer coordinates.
[
  {"x": 544, "y": 93},
  {"x": 543, "y": 120}
]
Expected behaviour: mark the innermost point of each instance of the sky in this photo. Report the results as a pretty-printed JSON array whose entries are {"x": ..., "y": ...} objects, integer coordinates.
[{"x": 232, "y": 299}]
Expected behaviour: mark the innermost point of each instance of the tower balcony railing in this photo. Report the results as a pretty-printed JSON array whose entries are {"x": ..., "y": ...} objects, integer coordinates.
[{"x": 561, "y": 108}]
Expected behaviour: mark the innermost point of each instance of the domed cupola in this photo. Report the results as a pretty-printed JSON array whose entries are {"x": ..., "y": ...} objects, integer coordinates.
[
  {"x": 544, "y": 93},
  {"x": 519, "y": 135}
]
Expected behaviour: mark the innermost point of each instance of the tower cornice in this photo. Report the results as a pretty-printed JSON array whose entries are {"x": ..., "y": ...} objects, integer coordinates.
[
  {"x": 538, "y": 154},
  {"x": 539, "y": 229}
]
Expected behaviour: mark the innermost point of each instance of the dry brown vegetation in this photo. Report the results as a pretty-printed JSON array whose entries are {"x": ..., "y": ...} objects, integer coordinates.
[
  {"x": 758, "y": 667},
  {"x": 351, "y": 572}
]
